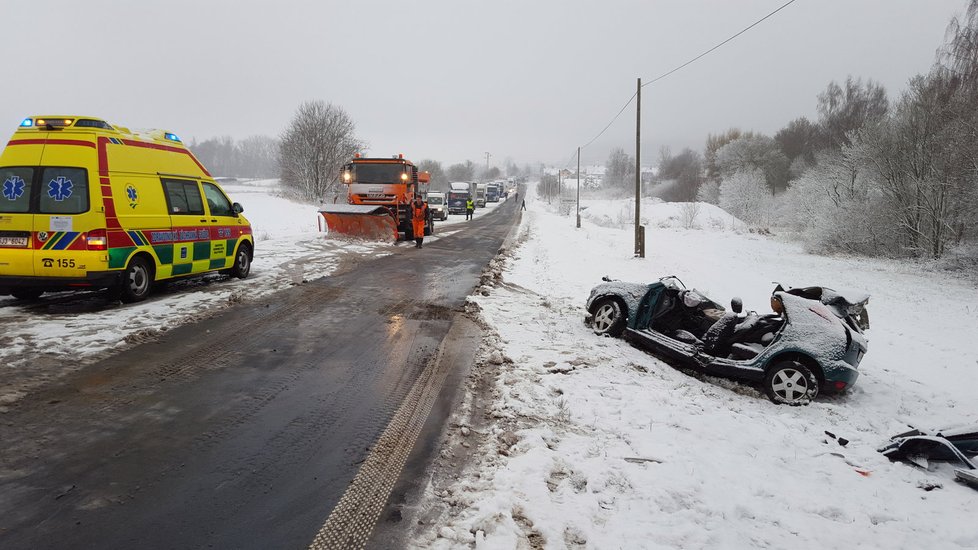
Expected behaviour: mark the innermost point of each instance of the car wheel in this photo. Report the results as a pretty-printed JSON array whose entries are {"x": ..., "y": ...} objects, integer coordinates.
[
  {"x": 27, "y": 294},
  {"x": 137, "y": 281},
  {"x": 242, "y": 262},
  {"x": 608, "y": 317},
  {"x": 790, "y": 383}
]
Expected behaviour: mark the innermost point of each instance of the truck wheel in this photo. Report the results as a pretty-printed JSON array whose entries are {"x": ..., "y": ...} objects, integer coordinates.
[
  {"x": 137, "y": 281},
  {"x": 242, "y": 262}
]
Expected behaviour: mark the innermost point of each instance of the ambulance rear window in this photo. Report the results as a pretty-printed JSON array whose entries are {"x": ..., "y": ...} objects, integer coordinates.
[
  {"x": 15, "y": 189},
  {"x": 64, "y": 190}
]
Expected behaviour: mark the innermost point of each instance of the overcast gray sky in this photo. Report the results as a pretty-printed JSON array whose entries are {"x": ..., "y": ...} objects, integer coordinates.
[{"x": 452, "y": 79}]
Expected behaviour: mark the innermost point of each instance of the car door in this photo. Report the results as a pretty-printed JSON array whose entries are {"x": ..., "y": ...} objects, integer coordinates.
[
  {"x": 222, "y": 221},
  {"x": 190, "y": 227}
]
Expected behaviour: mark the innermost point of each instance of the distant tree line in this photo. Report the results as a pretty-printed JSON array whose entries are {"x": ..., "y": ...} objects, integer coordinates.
[
  {"x": 871, "y": 176},
  {"x": 253, "y": 157}
]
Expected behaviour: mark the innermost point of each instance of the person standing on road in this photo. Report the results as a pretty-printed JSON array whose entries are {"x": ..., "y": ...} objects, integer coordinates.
[
  {"x": 523, "y": 205},
  {"x": 418, "y": 221},
  {"x": 469, "y": 209}
]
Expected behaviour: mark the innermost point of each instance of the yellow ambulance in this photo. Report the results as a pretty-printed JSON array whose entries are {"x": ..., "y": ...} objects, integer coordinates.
[{"x": 84, "y": 205}]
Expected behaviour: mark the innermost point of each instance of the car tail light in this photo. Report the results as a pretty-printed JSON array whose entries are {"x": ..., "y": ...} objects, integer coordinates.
[
  {"x": 97, "y": 239},
  {"x": 839, "y": 385}
]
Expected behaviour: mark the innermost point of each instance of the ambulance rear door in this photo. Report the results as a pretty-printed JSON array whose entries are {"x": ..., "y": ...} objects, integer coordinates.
[
  {"x": 16, "y": 220},
  {"x": 63, "y": 219}
]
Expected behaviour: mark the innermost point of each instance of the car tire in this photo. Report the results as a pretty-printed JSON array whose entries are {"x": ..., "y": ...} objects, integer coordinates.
[
  {"x": 137, "y": 281},
  {"x": 26, "y": 294},
  {"x": 790, "y": 383},
  {"x": 242, "y": 262},
  {"x": 608, "y": 317}
]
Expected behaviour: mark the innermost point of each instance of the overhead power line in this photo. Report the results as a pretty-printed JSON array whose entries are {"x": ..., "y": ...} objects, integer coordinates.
[
  {"x": 742, "y": 31},
  {"x": 684, "y": 65}
]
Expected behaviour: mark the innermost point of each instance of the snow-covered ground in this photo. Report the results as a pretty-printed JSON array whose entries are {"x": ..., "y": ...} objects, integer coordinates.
[{"x": 593, "y": 443}]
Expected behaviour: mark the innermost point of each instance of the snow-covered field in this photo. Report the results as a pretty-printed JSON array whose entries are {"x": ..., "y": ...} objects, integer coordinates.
[{"x": 592, "y": 443}]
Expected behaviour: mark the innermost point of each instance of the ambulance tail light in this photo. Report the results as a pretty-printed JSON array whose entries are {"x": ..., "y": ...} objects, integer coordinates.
[{"x": 97, "y": 239}]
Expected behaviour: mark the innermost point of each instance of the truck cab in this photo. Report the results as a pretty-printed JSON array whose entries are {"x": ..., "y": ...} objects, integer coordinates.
[{"x": 480, "y": 195}]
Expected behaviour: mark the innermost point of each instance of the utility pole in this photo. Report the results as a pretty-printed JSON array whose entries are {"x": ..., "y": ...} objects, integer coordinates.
[
  {"x": 639, "y": 230},
  {"x": 487, "y": 165},
  {"x": 551, "y": 186},
  {"x": 578, "y": 187}
]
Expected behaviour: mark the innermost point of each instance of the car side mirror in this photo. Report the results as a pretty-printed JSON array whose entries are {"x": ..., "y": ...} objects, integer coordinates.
[
  {"x": 736, "y": 304},
  {"x": 237, "y": 208}
]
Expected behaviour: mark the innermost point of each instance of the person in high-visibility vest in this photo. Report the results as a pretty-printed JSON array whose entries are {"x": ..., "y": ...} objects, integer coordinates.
[
  {"x": 469, "y": 209},
  {"x": 418, "y": 221}
]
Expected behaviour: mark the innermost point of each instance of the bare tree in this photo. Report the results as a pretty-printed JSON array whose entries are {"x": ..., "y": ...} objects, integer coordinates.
[
  {"x": 685, "y": 169},
  {"x": 799, "y": 138},
  {"x": 462, "y": 171},
  {"x": 317, "y": 142},
  {"x": 617, "y": 169},
  {"x": 845, "y": 110},
  {"x": 439, "y": 181},
  {"x": 688, "y": 213}
]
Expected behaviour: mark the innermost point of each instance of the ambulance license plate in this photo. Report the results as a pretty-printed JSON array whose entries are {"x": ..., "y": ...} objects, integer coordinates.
[{"x": 18, "y": 242}]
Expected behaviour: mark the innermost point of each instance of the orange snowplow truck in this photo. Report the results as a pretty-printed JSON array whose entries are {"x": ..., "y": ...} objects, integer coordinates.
[{"x": 379, "y": 196}]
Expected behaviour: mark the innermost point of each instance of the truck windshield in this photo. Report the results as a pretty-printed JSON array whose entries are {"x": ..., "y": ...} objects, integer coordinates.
[
  {"x": 380, "y": 173},
  {"x": 435, "y": 200},
  {"x": 458, "y": 196}
]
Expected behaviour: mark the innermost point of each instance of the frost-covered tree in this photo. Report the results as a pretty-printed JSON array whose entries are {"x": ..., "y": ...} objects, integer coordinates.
[
  {"x": 709, "y": 192},
  {"x": 836, "y": 206},
  {"x": 920, "y": 157},
  {"x": 755, "y": 152},
  {"x": 713, "y": 144},
  {"x": 318, "y": 140},
  {"x": 744, "y": 194}
]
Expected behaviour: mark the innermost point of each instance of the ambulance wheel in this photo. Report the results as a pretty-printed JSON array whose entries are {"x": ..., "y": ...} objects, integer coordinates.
[
  {"x": 28, "y": 294},
  {"x": 137, "y": 282},
  {"x": 242, "y": 262}
]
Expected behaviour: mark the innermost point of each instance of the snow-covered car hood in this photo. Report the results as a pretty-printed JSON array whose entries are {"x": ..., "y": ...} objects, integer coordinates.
[{"x": 632, "y": 293}]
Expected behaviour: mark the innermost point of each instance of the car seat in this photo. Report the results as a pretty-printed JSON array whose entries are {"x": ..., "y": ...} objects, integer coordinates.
[{"x": 719, "y": 336}]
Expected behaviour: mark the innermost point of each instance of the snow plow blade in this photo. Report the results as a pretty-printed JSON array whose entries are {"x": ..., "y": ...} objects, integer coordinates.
[{"x": 359, "y": 221}]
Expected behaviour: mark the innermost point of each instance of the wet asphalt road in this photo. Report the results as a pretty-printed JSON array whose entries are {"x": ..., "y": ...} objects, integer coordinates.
[{"x": 241, "y": 431}]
